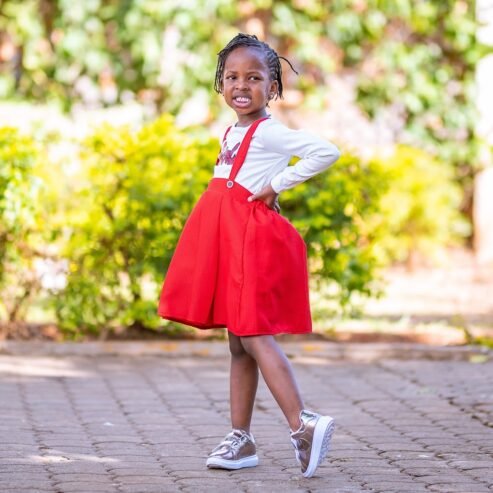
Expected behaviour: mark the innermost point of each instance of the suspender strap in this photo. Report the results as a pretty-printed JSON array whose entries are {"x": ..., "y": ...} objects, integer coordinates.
[
  {"x": 224, "y": 138},
  {"x": 227, "y": 132},
  {"x": 242, "y": 151}
]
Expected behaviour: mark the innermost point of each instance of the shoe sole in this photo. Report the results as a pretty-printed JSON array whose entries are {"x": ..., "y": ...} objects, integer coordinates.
[
  {"x": 218, "y": 463},
  {"x": 320, "y": 446}
]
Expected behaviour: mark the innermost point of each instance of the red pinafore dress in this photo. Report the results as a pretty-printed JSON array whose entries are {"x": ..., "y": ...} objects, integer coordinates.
[{"x": 238, "y": 264}]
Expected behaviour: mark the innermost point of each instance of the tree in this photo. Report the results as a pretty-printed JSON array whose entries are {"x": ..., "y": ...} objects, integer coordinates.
[{"x": 414, "y": 58}]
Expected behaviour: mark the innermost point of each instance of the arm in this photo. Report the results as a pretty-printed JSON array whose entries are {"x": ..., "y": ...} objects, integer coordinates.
[
  {"x": 269, "y": 196},
  {"x": 316, "y": 154}
]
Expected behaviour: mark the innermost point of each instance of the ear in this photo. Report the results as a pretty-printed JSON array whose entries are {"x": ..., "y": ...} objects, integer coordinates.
[{"x": 274, "y": 87}]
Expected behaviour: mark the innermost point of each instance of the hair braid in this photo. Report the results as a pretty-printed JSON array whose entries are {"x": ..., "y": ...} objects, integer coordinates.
[{"x": 273, "y": 60}]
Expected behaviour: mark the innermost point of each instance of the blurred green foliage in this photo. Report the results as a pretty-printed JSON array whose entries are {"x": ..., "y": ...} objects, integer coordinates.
[
  {"x": 20, "y": 227},
  {"x": 417, "y": 56},
  {"x": 421, "y": 207},
  {"x": 115, "y": 220},
  {"x": 332, "y": 211},
  {"x": 134, "y": 192},
  {"x": 118, "y": 219}
]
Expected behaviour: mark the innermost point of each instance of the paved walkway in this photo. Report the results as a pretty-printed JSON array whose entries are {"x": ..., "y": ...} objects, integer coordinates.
[{"x": 144, "y": 424}]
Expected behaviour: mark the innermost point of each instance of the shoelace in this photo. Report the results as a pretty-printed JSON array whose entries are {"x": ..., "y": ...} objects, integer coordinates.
[
  {"x": 234, "y": 439},
  {"x": 296, "y": 451}
]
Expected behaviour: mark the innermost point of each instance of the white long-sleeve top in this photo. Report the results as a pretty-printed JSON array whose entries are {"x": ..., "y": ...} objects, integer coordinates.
[{"x": 272, "y": 146}]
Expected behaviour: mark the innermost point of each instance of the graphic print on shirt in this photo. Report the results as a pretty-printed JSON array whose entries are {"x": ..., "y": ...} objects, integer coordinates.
[{"x": 227, "y": 156}]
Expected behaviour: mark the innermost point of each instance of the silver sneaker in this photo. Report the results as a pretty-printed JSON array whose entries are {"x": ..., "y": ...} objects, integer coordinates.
[
  {"x": 236, "y": 451},
  {"x": 311, "y": 441}
]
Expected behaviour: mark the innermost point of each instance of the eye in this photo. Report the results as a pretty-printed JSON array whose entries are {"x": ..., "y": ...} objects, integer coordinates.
[
  {"x": 254, "y": 77},
  {"x": 230, "y": 77}
]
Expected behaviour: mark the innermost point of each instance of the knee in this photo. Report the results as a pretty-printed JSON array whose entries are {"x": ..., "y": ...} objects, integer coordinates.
[
  {"x": 253, "y": 344},
  {"x": 236, "y": 347}
]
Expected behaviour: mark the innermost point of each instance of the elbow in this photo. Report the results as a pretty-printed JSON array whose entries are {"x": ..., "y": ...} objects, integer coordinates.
[
  {"x": 332, "y": 156},
  {"x": 336, "y": 154}
]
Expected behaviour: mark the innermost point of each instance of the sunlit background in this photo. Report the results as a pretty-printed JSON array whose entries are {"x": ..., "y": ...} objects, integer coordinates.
[{"x": 109, "y": 129}]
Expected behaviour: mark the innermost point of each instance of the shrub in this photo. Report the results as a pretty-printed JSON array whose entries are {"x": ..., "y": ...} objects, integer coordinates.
[
  {"x": 117, "y": 220},
  {"x": 20, "y": 225},
  {"x": 136, "y": 190},
  {"x": 332, "y": 211},
  {"x": 420, "y": 208}
]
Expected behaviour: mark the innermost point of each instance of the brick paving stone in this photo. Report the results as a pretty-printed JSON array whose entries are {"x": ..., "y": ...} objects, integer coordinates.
[
  {"x": 28, "y": 490},
  {"x": 379, "y": 490},
  {"x": 20, "y": 468},
  {"x": 133, "y": 424},
  {"x": 144, "y": 487},
  {"x": 78, "y": 467},
  {"x": 60, "y": 443},
  {"x": 85, "y": 487},
  {"x": 339, "y": 489},
  {"x": 67, "y": 450},
  {"x": 459, "y": 456},
  {"x": 16, "y": 461},
  {"x": 81, "y": 477},
  {"x": 124, "y": 465},
  {"x": 458, "y": 488},
  {"x": 158, "y": 480},
  {"x": 443, "y": 470},
  {"x": 441, "y": 477},
  {"x": 203, "y": 473},
  {"x": 263, "y": 485},
  {"x": 12, "y": 476},
  {"x": 33, "y": 484},
  {"x": 217, "y": 489},
  {"x": 212, "y": 483},
  {"x": 354, "y": 453},
  {"x": 400, "y": 445},
  {"x": 464, "y": 447},
  {"x": 119, "y": 458},
  {"x": 364, "y": 472},
  {"x": 395, "y": 486},
  {"x": 468, "y": 465},
  {"x": 154, "y": 472},
  {"x": 483, "y": 474},
  {"x": 361, "y": 461}
]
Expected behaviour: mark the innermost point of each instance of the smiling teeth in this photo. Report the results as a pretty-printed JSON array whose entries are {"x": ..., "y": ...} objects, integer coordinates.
[{"x": 242, "y": 100}]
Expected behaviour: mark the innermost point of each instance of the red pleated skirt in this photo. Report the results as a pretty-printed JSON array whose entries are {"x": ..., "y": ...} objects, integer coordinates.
[{"x": 239, "y": 265}]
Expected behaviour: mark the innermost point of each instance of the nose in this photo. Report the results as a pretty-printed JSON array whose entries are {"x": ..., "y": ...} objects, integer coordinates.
[{"x": 240, "y": 84}]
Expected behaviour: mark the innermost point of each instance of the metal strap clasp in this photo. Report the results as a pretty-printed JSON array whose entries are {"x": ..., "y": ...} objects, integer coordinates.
[{"x": 229, "y": 184}]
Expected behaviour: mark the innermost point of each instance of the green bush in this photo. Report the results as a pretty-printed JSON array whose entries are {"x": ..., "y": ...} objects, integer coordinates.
[
  {"x": 332, "y": 211},
  {"x": 135, "y": 192},
  {"x": 421, "y": 207},
  {"x": 20, "y": 225},
  {"x": 117, "y": 220}
]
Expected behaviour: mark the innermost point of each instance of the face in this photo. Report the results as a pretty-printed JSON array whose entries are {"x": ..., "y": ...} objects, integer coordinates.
[{"x": 247, "y": 87}]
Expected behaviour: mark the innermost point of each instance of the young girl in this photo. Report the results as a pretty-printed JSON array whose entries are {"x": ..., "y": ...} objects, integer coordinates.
[{"x": 240, "y": 264}]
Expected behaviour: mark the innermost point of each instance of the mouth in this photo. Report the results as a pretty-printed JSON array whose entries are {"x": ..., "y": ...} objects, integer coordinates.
[{"x": 242, "y": 100}]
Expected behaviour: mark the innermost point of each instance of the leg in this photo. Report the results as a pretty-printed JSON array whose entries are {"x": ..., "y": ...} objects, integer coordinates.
[
  {"x": 238, "y": 449},
  {"x": 311, "y": 432},
  {"x": 278, "y": 375},
  {"x": 243, "y": 384}
]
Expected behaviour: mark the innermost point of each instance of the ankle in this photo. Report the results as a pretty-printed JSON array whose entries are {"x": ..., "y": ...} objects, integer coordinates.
[
  {"x": 246, "y": 429},
  {"x": 295, "y": 424}
]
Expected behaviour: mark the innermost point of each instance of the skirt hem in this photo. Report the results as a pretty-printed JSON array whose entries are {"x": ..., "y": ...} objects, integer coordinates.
[{"x": 206, "y": 326}]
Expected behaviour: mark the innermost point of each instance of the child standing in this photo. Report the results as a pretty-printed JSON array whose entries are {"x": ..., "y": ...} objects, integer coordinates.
[{"x": 239, "y": 264}]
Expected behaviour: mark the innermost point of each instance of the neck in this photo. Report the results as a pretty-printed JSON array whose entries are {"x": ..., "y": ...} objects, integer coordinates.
[{"x": 244, "y": 121}]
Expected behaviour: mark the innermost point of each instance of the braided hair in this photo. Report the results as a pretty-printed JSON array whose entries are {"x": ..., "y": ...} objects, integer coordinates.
[{"x": 271, "y": 57}]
